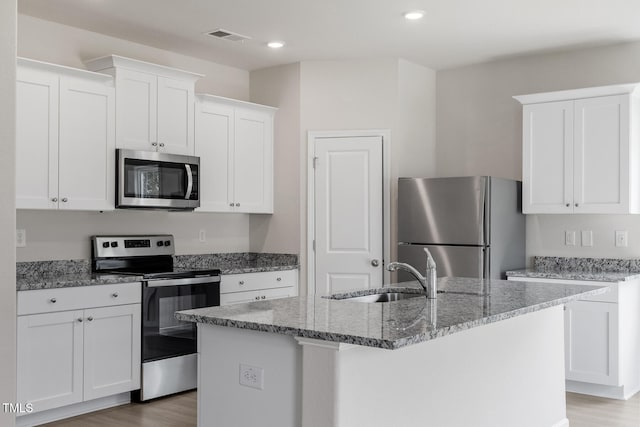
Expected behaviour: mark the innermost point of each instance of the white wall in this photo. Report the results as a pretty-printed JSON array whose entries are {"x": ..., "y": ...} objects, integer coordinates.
[
  {"x": 479, "y": 132},
  {"x": 8, "y": 12},
  {"x": 280, "y": 87},
  {"x": 65, "y": 235}
]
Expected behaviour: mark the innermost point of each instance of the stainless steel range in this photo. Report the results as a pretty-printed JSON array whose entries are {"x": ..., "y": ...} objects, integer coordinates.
[{"x": 169, "y": 348}]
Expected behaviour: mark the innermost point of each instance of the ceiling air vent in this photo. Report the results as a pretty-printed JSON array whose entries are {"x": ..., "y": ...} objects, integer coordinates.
[{"x": 228, "y": 35}]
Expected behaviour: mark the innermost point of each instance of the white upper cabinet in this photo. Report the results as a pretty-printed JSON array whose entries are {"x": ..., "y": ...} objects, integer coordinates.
[
  {"x": 154, "y": 104},
  {"x": 234, "y": 141},
  {"x": 580, "y": 151},
  {"x": 64, "y": 138}
]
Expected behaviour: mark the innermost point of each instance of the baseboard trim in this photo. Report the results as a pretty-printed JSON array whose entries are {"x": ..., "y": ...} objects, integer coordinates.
[
  {"x": 610, "y": 392},
  {"x": 563, "y": 423},
  {"x": 55, "y": 414}
]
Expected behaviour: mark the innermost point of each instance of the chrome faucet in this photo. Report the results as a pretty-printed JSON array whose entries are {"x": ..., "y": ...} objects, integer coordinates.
[{"x": 428, "y": 281}]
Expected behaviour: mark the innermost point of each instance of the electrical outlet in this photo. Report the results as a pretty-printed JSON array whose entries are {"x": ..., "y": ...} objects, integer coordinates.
[
  {"x": 252, "y": 376},
  {"x": 570, "y": 238},
  {"x": 622, "y": 238},
  {"x": 21, "y": 238},
  {"x": 587, "y": 238},
  {"x": 202, "y": 236}
]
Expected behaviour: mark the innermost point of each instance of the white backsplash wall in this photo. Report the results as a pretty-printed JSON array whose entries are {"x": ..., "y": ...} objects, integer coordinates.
[
  {"x": 65, "y": 235},
  {"x": 479, "y": 132}
]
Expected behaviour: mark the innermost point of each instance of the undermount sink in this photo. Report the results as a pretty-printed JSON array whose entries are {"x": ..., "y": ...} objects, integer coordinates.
[{"x": 380, "y": 295}]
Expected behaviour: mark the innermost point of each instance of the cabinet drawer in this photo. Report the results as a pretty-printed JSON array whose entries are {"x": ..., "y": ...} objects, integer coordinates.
[
  {"x": 260, "y": 295},
  {"x": 254, "y": 281},
  {"x": 62, "y": 299}
]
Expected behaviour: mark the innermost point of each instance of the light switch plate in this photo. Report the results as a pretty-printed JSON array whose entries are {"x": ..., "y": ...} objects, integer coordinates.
[
  {"x": 622, "y": 238},
  {"x": 570, "y": 238},
  {"x": 587, "y": 238}
]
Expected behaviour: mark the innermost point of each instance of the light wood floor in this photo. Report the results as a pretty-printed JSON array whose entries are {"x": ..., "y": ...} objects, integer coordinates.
[{"x": 180, "y": 411}]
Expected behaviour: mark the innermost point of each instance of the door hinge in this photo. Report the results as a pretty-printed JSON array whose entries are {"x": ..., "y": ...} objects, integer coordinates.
[{"x": 315, "y": 162}]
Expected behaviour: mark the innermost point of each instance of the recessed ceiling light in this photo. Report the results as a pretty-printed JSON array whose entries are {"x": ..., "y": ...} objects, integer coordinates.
[
  {"x": 414, "y": 14},
  {"x": 275, "y": 45}
]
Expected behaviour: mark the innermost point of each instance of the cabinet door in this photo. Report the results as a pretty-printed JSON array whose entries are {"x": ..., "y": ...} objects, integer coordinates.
[
  {"x": 214, "y": 134},
  {"x": 591, "y": 342},
  {"x": 601, "y": 177},
  {"x": 36, "y": 139},
  {"x": 50, "y": 360},
  {"x": 137, "y": 103},
  {"x": 175, "y": 116},
  {"x": 86, "y": 156},
  {"x": 111, "y": 350},
  {"x": 253, "y": 161},
  {"x": 547, "y": 170}
]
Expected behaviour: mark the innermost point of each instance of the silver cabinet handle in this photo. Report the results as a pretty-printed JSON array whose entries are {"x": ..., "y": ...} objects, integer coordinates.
[
  {"x": 79, "y": 319},
  {"x": 90, "y": 318},
  {"x": 154, "y": 144},
  {"x": 375, "y": 262},
  {"x": 114, "y": 295},
  {"x": 241, "y": 282},
  {"x": 237, "y": 204},
  {"x": 55, "y": 199},
  {"x": 65, "y": 200},
  {"x": 53, "y": 300},
  {"x": 279, "y": 279},
  {"x": 263, "y": 297},
  {"x": 161, "y": 144}
]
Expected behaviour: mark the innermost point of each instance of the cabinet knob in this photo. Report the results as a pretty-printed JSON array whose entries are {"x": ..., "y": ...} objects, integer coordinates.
[
  {"x": 263, "y": 297},
  {"x": 53, "y": 300},
  {"x": 231, "y": 204},
  {"x": 79, "y": 319},
  {"x": 375, "y": 262},
  {"x": 90, "y": 318},
  {"x": 237, "y": 204},
  {"x": 576, "y": 205},
  {"x": 567, "y": 204},
  {"x": 114, "y": 295},
  {"x": 241, "y": 282},
  {"x": 55, "y": 199},
  {"x": 279, "y": 279},
  {"x": 258, "y": 298},
  {"x": 154, "y": 144},
  {"x": 161, "y": 144},
  {"x": 65, "y": 200}
]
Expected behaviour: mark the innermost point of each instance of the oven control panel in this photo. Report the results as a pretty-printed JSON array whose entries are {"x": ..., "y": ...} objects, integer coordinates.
[{"x": 124, "y": 246}]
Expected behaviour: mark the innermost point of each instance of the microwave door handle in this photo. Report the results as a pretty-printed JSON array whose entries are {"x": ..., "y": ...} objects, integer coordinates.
[{"x": 189, "y": 181}]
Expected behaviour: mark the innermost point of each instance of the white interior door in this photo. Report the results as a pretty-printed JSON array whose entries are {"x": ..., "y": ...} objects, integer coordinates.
[{"x": 348, "y": 213}]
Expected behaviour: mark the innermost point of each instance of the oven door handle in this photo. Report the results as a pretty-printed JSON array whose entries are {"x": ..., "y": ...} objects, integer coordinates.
[
  {"x": 182, "y": 282},
  {"x": 189, "y": 181}
]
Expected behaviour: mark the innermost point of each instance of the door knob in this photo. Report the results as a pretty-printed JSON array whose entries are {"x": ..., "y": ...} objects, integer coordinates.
[{"x": 375, "y": 262}]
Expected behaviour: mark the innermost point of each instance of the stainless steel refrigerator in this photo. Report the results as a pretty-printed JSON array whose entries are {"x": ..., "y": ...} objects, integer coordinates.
[{"x": 473, "y": 226}]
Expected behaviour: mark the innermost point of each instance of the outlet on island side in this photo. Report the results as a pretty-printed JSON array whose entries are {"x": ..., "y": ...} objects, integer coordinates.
[
  {"x": 252, "y": 376},
  {"x": 21, "y": 238},
  {"x": 622, "y": 238},
  {"x": 202, "y": 236}
]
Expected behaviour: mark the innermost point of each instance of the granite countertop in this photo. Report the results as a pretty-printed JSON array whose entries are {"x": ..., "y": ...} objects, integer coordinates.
[
  {"x": 463, "y": 304},
  {"x": 588, "y": 269},
  {"x": 71, "y": 273}
]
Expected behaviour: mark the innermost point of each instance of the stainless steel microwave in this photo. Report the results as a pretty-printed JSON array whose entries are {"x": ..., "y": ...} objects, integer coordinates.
[{"x": 147, "y": 179}]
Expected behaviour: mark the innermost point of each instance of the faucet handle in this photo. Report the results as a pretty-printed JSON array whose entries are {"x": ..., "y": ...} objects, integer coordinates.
[{"x": 430, "y": 261}]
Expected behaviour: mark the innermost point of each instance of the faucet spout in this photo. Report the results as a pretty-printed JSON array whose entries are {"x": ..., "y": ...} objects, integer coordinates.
[{"x": 428, "y": 281}]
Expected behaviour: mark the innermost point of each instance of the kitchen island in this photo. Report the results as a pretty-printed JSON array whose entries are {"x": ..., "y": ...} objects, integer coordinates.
[{"x": 485, "y": 353}]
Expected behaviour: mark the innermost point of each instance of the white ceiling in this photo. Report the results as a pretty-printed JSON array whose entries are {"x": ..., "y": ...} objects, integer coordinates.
[{"x": 453, "y": 32}]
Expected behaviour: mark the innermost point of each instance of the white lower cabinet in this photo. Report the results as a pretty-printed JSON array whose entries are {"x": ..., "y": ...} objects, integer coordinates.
[
  {"x": 602, "y": 339},
  {"x": 72, "y": 356},
  {"x": 261, "y": 286}
]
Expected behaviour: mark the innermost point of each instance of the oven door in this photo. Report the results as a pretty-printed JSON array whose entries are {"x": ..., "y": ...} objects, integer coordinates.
[
  {"x": 163, "y": 336},
  {"x": 148, "y": 179}
]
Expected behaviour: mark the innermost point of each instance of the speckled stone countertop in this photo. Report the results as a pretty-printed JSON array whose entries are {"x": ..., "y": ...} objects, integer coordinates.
[
  {"x": 63, "y": 274},
  {"x": 70, "y": 273},
  {"x": 590, "y": 269},
  {"x": 463, "y": 304}
]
